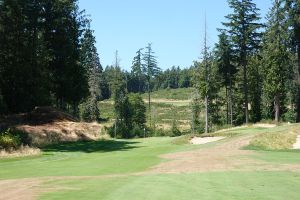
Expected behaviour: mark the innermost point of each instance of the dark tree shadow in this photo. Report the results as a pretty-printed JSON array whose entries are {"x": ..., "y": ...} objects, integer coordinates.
[{"x": 92, "y": 146}]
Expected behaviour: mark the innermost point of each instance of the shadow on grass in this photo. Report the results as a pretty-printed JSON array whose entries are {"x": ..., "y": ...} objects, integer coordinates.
[{"x": 92, "y": 146}]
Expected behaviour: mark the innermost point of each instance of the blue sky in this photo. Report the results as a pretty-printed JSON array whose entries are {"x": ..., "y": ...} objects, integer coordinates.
[{"x": 174, "y": 27}]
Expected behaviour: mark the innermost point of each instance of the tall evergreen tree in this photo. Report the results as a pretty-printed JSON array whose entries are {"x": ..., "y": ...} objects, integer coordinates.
[
  {"x": 243, "y": 26},
  {"x": 22, "y": 56},
  {"x": 91, "y": 62},
  {"x": 255, "y": 87},
  {"x": 62, "y": 33},
  {"x": 151, "y": 70},
  {"x": 293, "y": 9},
  {"x": 203, "y": 79},
  {"x": 137, "y": 69},
  {"x": 224, "y": 58},
  {"x": 275, "y": 56}
]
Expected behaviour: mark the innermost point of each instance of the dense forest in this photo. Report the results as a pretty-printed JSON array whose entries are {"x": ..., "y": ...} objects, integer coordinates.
[{"x": 48, "y": 57}]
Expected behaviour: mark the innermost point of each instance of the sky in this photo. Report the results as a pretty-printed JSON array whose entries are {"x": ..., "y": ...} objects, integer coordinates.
[{"x": 174, "y": 27}]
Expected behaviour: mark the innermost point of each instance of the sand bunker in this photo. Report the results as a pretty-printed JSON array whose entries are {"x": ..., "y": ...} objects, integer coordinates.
[{"x": 204, "y": 140}]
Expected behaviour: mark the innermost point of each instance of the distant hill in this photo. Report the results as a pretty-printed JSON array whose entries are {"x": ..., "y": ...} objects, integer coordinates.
[{"x": 168, "y": 105}]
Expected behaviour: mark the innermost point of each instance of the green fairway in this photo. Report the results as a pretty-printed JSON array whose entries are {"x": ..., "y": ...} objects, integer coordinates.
[
  {"x": 224, "y": 185},
  {"x": 119, "y": 169},
  {"x": 91, "y": 158}
]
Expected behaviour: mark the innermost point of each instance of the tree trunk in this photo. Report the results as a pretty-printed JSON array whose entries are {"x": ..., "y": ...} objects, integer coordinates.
[
  {"x": 244, "y": 64},
  {"x": 231, "y": 104},
  {"x": 227, "y": 106},
  {"x": 298, "y": 81},
  {"x": 277, "y": 108},
  {"x": 206, "y": 115},
  {"x": 149, "y": 100},
  {"x": 246, "y": 95}
]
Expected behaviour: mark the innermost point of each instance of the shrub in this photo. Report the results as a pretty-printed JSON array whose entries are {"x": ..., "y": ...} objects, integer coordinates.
[
  {"x": 175, "y": 132},
  {"x": 88, "y": 110},
  {"x": 13, "y": 139},
  {"x": 9, "y": 141},
  {"x": 156, "y": 132},
  {"x": 138, "y": 131},
  {"x": 121, "y": 131},
  {"x": 289, "y": 116}
]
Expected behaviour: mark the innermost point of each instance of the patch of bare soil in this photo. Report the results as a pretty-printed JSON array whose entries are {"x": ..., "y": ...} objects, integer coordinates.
[
  {"x": 222, "y": 157},
  {"x": 25, "y": 189}
]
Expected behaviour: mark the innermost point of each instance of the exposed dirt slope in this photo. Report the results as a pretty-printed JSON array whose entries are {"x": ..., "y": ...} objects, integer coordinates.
[{"x": 48, "y": 125}]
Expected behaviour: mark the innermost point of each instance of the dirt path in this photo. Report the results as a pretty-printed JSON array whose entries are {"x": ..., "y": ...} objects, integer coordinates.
[
  {"x": 25, "y": 189},
  {"x": 222, "y": 157},
  {"x": 225, "y": 156}
]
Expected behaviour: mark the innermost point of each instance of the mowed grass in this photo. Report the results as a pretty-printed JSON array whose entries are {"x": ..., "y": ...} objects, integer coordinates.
[
  {"x": 121, "y": 159},
  {"x": 204, "y": 186},
  {"x": 91, "y": 158}
]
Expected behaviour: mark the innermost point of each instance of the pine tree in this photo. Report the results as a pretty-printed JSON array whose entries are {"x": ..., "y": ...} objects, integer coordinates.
[
  {"x": 243, "y": 27},
  {"x": 91, "y": 62},
  {"x": 293, "y": 9},
  {"x": 62, "y": 33},
  {"x": 276, "y": 56},
  {"x": 137, "y": 70},
  {"x": 151, "y": 70},
  {"x": 224, "y": 59},
  {"x": 255, "y": 87},
  {"x": 22, "y": 56},
  {"x": 203, "y": 78}
]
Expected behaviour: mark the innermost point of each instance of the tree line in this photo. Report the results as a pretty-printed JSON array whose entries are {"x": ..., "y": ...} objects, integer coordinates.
[
  {"x": 48, "y": 57},
  {"x": 254, "y": 68}
]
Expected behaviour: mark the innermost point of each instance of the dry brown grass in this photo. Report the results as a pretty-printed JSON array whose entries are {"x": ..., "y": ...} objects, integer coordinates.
[
  {"x": 48, "y": 125},
  {"x": 63, "y": 132},
  {"x": 21, "y": 152}
]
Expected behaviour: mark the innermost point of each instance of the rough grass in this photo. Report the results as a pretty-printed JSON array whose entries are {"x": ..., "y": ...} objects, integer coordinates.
[
  {"x": 22, "y": 151},
  {"x": 275, "y": 140},
  {"x": 167, "y": 106},
  {"x": 173, "y": 94}
]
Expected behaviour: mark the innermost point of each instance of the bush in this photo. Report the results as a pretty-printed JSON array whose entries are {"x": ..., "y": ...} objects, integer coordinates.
[
  {"x": 155, "y": 132},
  {"x": 138, "y": 131},
  {"x": 121, "y": 131},
  {"x": 290, "y": 116},
  {"x": 88, "y": 110},
  {"x": 175, "y": 132},
  {"x": 13, "y": 139}
]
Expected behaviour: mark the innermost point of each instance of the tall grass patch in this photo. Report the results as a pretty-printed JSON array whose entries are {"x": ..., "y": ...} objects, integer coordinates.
[{"x": 279, "y": 140}]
